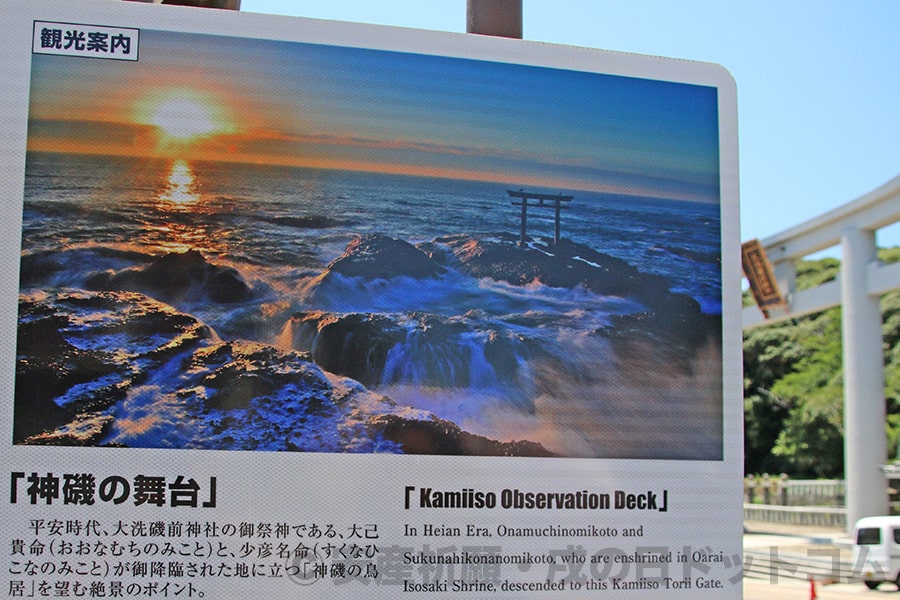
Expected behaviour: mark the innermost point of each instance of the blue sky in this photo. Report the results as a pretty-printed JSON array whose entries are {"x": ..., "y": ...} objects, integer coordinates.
[{"x": 817, "y": 80}]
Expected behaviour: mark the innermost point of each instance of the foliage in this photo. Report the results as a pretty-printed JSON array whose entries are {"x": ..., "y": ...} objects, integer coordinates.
[{"x": 793, "y": 385}]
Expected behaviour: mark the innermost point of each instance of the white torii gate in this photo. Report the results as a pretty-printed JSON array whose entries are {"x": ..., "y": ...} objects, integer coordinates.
[{"x": 862, "y": 281}]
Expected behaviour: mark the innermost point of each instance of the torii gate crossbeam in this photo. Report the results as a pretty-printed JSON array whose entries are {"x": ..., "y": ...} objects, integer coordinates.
[{"x": 862, "y": 282}]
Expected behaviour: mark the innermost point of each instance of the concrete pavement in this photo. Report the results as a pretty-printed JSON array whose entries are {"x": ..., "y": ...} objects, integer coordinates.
[
  {"x": 802, "y": 552},
  {"x": 760, "y": 589}
]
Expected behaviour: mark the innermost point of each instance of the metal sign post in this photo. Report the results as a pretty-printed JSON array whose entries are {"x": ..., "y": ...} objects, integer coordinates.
[{"x": 502, "y": 18}]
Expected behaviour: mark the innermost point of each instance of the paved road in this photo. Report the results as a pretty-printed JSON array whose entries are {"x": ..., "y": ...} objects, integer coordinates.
[
  {"x": 760, "y": 589},
  {"x": 798, "y": 541}
]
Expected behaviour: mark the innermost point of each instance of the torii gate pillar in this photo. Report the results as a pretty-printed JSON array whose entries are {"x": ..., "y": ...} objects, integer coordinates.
[{"x": 865, "y": 444}]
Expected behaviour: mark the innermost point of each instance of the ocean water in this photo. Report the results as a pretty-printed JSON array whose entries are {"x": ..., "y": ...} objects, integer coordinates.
[
  {"x": 252, "y": 214},
  {"x": 280, "y": 227}
]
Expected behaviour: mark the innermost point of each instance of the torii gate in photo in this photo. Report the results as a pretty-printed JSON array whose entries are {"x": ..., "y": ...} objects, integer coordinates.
[{"x": 524, "y": 197}]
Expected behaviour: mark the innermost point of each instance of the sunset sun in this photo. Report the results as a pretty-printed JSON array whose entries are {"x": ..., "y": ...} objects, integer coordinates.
[
  {"x": 183, "y": 119},
  {"x": 183, "y": 116}
]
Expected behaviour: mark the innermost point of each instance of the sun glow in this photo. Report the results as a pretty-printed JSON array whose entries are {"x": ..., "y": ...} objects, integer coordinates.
[
  {"x": 183, "y": 119},
  {"x": 183, "y": 116}
]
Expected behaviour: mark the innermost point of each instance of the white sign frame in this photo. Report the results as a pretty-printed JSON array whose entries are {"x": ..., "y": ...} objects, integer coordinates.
[{"x": 645, "y": 527}]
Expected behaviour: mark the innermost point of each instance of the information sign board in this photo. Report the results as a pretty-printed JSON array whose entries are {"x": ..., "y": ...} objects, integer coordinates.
[{"x": 295, "y": 307}]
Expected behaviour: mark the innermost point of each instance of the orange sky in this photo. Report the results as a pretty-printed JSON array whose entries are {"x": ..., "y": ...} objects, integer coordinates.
[{"x": 216, "y": 98}]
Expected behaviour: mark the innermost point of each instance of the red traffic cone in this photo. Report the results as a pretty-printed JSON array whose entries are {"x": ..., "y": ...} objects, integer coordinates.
[{"x": 812, "y": 589}]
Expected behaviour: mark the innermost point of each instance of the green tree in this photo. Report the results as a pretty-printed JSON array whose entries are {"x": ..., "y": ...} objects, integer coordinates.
[
  {"x": 793, "y": 386},
  {"x": 811, "y": 440}
]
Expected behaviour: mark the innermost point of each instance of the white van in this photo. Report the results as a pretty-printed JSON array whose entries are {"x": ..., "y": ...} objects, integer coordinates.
[{"x": 876, "y": 552}]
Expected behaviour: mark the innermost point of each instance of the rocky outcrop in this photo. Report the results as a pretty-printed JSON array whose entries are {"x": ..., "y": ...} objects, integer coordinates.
[
  {"x": 117, "y": 367},
  {"x": 565, "y": 264},
  {"x": 568, "y": 264},
  {"x": 309, "y": 222},
  {"x": 419, "y": 348},
  {"x": 438, "y": 436},
  {"x": 121, "y": 369},
  {"x": 177, "y": 277},
  {"x": 382, "y": 257},
  {"x": 427, "y": 349},
  {"x": 355, "y": 345},
  {"x": 79, "y": 353}
]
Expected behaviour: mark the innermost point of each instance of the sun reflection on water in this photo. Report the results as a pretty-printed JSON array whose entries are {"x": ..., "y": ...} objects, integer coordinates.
[
  {"x": 181, "y": 185},
  {"x": 180, "y": 194}
]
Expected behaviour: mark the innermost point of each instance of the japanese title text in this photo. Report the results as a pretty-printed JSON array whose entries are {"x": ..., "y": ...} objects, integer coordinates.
[
  {"x": 87, "y": 488},
  {"x": 91, "y": 41}
]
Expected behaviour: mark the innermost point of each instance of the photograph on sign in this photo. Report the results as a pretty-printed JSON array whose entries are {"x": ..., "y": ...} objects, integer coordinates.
[
  {"x": 321, "y": 309},
  {"x": 364, "y": 258},
  {"x": 316, "y": 248}
]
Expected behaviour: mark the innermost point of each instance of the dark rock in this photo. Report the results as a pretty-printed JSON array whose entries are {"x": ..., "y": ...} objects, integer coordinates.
[
  {"x": 503, "y": 353},
  {"x": 567, "y": 264},
  {"x": 309, "y": 222},
  {"x": 382, "y": 257},
  {"x": 437, "y": 436},
  {"x": 61, "y": 353},
  {"x": 47, "y": 365},
  {"x": 564, "y": 264},
  {"x": 435, "y": 350},
  {"x": 177, "y": 277},
  {"x": 247, "y": 372},
  {"x": 81, "y": 353},
  {"x": 675, "y": 336},
  {"x": 35, "y": 268},
  {"x": 355, "y": 345}
]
